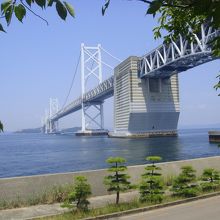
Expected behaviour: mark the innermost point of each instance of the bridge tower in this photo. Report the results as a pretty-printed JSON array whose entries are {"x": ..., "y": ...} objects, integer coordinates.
[
  {"x": 51, "y": 126},
  {"x": 45, "y": 127},
  {"x": 91, "y": 69}
]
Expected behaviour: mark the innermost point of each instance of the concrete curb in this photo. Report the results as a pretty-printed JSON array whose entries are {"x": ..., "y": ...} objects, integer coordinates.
[{"x": 154, "y": 207}]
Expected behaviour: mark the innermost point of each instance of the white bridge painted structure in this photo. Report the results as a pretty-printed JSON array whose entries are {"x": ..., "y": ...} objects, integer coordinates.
[
  {"x": 138, "y": 75},
  {"x": 178, "y": 56}
]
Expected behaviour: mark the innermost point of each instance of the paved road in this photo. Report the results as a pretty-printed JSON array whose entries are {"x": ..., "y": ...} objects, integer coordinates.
[{"x": 205, "y": 209}]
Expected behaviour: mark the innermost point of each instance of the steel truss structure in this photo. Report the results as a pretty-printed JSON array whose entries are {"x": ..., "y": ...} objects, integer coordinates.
[
  {"x": 164, "y": 61},
  {"x": 51, "y": 126},
  {"x": 175, "y": 57},
  {"x": 103, "y": 91},
  {"x": 91, "y": 66}
]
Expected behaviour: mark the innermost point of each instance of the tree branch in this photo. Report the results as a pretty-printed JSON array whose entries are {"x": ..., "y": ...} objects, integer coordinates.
[
  {"x": 166, "y": 5},
  {"x": 34, "y": 12}
]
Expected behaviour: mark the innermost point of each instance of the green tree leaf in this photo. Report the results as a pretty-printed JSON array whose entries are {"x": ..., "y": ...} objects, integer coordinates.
[
  {"x": 5, "y": 5},
  {"x": 105, "y": 6},
  {"x": 8, "y": 14},
  {"x": 50, "y": 3},
  {"x": 41, "y": 3},
  {"x": 69, "y": 9},
  {"x": 20, "y": 12},
  {"x": 61, "y": 10},
  {"x": 1, "y": 29},
  {"x": 154, "y": 7},
  {"x": 29, "y": 2}
]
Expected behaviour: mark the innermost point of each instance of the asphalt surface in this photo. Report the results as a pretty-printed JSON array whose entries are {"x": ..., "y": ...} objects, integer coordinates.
[{"x": 205, "y": 209}]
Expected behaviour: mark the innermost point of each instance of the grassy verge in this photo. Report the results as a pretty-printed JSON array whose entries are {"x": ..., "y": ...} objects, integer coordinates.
[
  {"x": 111, "y": 208},
  {"x": 54, "y": 195}
]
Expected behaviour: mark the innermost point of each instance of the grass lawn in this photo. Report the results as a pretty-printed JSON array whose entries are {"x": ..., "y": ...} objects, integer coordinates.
[{"x": 73, "y": 215}]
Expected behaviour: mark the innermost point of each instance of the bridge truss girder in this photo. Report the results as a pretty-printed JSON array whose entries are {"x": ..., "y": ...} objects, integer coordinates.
[
  {"x": 175, "y": 57},
  {"x": 103, "y": 91}
]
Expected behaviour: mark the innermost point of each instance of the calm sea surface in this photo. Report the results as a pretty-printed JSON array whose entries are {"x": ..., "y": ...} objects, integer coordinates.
[{"x": 31, "y": 154}]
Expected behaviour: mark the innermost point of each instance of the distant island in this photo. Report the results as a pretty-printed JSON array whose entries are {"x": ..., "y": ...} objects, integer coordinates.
[
  {"x": 38, "y": 130},
  {"x": 70, "y": 130},
  {"x": 29, "y": 130}
]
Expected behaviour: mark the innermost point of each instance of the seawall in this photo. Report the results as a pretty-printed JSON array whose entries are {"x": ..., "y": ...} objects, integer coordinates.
[{"x": 29, "y": 186}]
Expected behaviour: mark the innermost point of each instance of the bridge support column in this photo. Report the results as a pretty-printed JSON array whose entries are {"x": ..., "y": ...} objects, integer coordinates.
[
  {"x": 53, "y": 127},
  {"x": 83, "y": 122},
  {"x": 54, "y": 107},
  {"x": 144, "y": 107},
  {"x": 50, "y": 125},
  {"x": 91, "y": 66},
  {"x": 93, "y": 116}
]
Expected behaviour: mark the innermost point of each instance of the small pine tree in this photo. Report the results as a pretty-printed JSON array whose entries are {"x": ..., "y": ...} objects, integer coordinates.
[
  {"x": 79, "y": 196},
  {"x": 118, "y": 181},
  {"x": 185, "y": 184},
  {"x": 211, "y": 179},
  {"x": 151, "y": 187}
]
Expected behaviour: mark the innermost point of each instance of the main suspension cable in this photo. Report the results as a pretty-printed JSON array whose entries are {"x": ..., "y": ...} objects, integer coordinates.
[
  {"x": 111, "y": 55},
  {"x": 72, "y": 82}
]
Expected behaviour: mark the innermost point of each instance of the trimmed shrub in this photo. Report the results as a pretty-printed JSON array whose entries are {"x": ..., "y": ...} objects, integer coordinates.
[
  {"x": 211, "y": 180},
  {"x": 185, "y": 184},
  {"x": 118, "y": 181},
  {"x": 79, "y": 196},
  {"x": 151, "y": 186}
]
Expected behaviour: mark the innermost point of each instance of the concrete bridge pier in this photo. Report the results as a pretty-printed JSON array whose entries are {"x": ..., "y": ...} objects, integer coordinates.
[
  {"x": 51, "y": 127},
  {"x": 54, "y": 127},
  {"x": 144, "y": 107}
]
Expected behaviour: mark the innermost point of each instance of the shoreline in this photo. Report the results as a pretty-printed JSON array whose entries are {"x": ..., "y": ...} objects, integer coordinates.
[
  {"x": 103, "y": 169},
  {"x": 36, "y": 186}
]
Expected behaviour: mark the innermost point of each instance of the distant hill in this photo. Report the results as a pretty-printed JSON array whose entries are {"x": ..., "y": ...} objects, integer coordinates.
[
  {"x": 29, "y": 130},
  {"x": 38, "y": 130},
  {"x": 70, "y": 130}
]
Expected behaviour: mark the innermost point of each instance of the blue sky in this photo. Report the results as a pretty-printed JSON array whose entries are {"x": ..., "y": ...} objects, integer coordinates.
[{"x": 38, "y": 62}]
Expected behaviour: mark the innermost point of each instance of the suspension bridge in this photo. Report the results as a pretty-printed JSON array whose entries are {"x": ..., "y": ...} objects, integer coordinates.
[{"x": 145, "y": 89}]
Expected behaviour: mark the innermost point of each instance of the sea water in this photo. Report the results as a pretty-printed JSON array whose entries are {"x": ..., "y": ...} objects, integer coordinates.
[{"x": 31, "y": 154}]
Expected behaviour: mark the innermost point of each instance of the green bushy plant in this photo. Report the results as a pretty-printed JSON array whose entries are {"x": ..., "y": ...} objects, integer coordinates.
[
  {"x": 210, "y": 179},
  {"x": 185, "y": 184},
  {"x": 118, "y": 180},
  {"x": 79, "y": 196},
  {"x": 151, "y": 186}
]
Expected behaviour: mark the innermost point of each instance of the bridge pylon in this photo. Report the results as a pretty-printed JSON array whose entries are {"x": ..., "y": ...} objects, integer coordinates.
[
  {"x": 51, "y": 126},
  {"x": 91, "y": 67}
]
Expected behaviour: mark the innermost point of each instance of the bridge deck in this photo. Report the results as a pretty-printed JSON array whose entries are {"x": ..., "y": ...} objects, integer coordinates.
[
  {"x": 103, "y": 91},
  {"x": 178, "y": 56}
]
